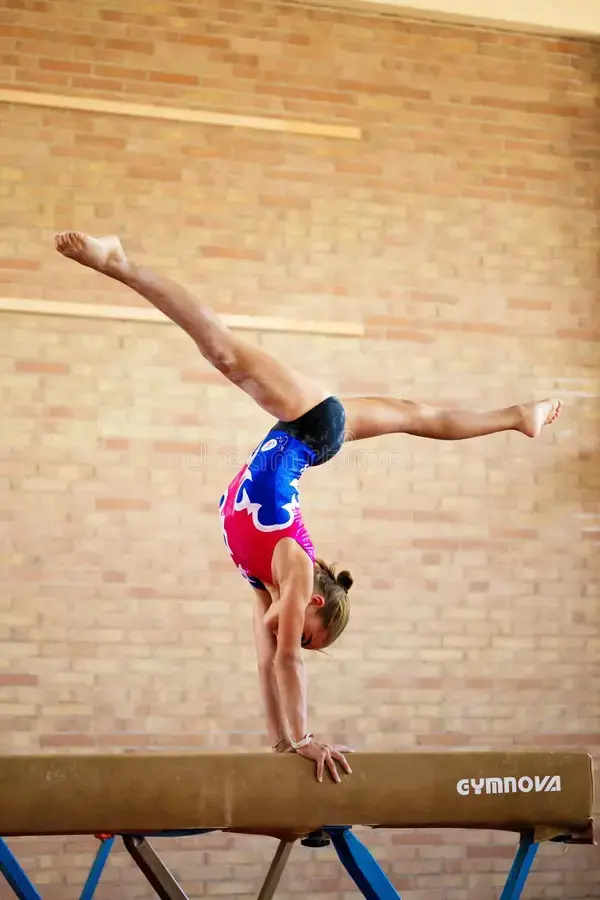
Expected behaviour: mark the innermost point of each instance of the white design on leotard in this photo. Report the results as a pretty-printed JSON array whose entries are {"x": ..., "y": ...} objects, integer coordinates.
[{"x": 253, "y": 508}]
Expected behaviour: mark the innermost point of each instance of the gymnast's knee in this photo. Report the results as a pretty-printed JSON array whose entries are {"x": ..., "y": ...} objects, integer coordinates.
[{"x": 222, "y": 358}]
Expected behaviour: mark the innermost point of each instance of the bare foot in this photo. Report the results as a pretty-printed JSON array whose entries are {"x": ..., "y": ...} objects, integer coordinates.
[
  {"x": 537, "y": 414},
  {"x": 103, "y": 254}
]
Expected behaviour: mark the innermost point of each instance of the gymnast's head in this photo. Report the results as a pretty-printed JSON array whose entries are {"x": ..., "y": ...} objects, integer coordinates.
[{"x": 329, "y": 608}]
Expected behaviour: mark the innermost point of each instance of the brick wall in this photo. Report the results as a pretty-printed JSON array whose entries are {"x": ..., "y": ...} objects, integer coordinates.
[{"x": 463, "y": 229}]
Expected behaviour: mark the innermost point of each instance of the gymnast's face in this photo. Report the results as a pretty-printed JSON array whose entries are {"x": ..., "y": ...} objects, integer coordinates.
[{"x": 314, "y": 635}]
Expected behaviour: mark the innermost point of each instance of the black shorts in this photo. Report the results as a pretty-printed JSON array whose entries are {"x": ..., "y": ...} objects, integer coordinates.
[{"x": 322, "y": 429}]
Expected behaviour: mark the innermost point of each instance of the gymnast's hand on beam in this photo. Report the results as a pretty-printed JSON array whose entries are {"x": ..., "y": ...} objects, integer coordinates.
[{"x": 326, "y": 755}]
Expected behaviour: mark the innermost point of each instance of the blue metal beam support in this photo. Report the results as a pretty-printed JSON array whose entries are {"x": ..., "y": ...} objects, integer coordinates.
[
  {"x": 361, "y": 865},
  {"x": 17, "y": 879},
  {"x": 520, "y": 868},
  {"x": 89, "y": 888}
]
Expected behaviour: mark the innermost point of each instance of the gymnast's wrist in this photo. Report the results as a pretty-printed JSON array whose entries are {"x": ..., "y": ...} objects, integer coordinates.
[{"x": 304, "y": 741}]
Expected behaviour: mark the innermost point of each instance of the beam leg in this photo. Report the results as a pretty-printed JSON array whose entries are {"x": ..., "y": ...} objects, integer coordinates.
[
  {"x": 153, "y": 868},
  {"x": 361, "y": 866},
  {"x": 282, "y": 854},
  {"x": 520, "y": 868},
  {"x": 10, "y": 867},
  {"x": 89, "y": 888}
]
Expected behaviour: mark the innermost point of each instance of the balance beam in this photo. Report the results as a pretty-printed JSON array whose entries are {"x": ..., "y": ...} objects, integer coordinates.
[{"x": 539, "y": 795}]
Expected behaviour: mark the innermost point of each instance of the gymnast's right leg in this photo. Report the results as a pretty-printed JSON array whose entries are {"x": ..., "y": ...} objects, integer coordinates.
[{"x": 278, "y": 389}]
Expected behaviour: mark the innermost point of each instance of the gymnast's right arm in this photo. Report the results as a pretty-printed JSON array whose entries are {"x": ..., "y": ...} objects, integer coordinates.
[
  {"x": 288, "y": 663},
  {"x": 295, "y": 588}
]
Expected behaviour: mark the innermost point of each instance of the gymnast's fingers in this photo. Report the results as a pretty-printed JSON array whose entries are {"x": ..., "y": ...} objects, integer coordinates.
[
  {"x": 336, "y": 754},
  {"x": 320, "y": 767},
  {"x": 332, "y": 769}
]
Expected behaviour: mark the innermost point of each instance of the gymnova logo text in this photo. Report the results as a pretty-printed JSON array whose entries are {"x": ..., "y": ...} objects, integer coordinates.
[{"x": 509, "y": 785}]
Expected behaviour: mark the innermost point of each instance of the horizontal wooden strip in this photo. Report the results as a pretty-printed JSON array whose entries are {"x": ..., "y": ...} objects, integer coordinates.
[
  {"x": 150, "y": 314},
  {"x": 177, "y": 114},
  {"x": 422, "y": 333}
]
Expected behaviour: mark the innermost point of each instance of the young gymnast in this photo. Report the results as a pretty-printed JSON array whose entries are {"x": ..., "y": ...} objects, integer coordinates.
[{"x": 299, "y": 601}]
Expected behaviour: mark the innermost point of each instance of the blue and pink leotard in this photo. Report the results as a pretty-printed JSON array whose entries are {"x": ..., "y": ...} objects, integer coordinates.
[{"x": 261, "y": 506}]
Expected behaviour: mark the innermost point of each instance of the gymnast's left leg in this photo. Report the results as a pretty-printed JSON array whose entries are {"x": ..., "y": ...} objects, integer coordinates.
[
  {"x": 275, "y": 386},
  {"x": 368, "y": 417}
]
